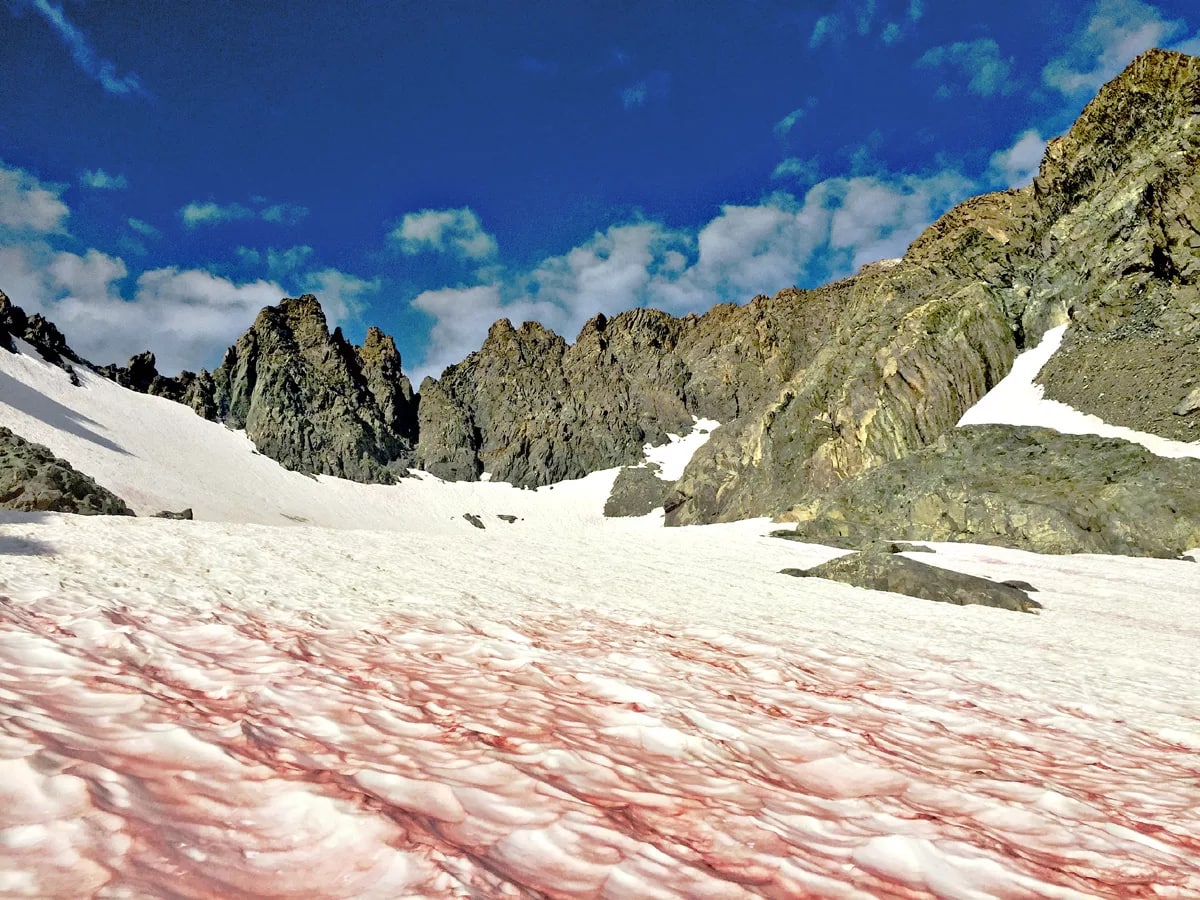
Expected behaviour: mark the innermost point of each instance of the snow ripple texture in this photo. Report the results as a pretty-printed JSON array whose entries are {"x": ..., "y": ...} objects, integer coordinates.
[{"x": 202, "y": 710}]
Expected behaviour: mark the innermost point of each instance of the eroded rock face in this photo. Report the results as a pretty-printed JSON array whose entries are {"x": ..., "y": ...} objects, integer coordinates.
[
  {"x": 1123, "y": 187},
  {"x": 32, "y": 479},
  {"x": 1105, "y": 236},
  {"x": 1028, "y": 488},
  {"x": 311, "y": 400},
  {"x": 882, "y": 571}
]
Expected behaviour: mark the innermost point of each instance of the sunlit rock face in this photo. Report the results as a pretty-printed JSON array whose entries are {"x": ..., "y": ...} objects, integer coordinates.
[{"x": 1106, "y": 237}]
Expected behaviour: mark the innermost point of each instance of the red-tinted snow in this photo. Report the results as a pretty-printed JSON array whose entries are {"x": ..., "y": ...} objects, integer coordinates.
[{"x": 196, "y": 710}]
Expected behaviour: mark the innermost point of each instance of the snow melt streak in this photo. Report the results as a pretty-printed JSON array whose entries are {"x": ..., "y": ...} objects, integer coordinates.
[{"x": 214, "y": 749}]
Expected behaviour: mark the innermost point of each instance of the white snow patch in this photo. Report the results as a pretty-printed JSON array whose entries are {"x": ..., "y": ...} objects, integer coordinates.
[
  {"x": 1019, "y": 400},
  {"x": 673, "y": 456}
]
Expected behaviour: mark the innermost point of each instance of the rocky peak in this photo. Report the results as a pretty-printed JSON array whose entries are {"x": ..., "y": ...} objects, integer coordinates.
[{"x": 310, "y": 399}]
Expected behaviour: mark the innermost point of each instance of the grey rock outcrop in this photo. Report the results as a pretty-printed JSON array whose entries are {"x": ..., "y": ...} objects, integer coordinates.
[
  {"x": 1028, "y": 488},
  {"x": 637, "y": 491},
  {"x": 39, "y": 332},
  {"x": 32, "y": 479},
  {"x": 141, "y": 374},
  {"x": 882, "y": 571},
  {"x": 311, "y": 400}
]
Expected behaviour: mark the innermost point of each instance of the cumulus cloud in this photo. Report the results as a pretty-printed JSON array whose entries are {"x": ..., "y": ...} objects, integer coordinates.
[
  {"x": 186, "y": 316},
  {"x": 839, "y": 225},
  {"x": 1016, "y": 165},
  {"x": 102, "y": 71},
  {"x": 1116, "y": 32},
  {"x": 977, "y": 62},
  {"x": 99, "y": 180},
  {"x": 27, "y": 205},
  {"x": 456, "y": 231}
]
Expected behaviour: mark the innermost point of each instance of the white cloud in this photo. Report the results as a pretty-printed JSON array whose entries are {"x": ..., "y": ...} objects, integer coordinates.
[
  {"x": 186, "y": 316},
  {"x": 839, "y": 225},
  {"x": 978, "y": 62},
  {"x": 99, "y": 180},
  {"x": 827, "y": 28},
  {"x": 784, "y": 126},
  {"x": 283, "y": 213},
  {"x": 28, "y": 205},
  {"x": 796, "y": 169},
  {"x": 144, "y": 228},
  {"x": 456, "y": 231},
  {"x": 1116, "y": 32},
  {"x": 103, "y": 71},
  {"x": 1016, "y": 166},
  {"x": 196, "y": 214},
  {"x": 889, "y": 20},
  {"x": 210, "y": 213},
  {"x": 655, "y": 86},
  {"x": 634, "y": 95}
]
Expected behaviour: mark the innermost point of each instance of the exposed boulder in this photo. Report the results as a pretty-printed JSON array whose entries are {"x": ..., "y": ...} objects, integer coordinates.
[
  {"x": 32, "y": 479},
  {"x": 1028, "y": 488},
  {"x": 309, "y": 399},
  {"x": 882, "y": 571},
  {"x": 637, "y": 491},
  {"x": 183, "y": 515}
]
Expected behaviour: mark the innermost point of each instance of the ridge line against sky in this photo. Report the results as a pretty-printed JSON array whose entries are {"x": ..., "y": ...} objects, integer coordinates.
[{"x": 462, "y": 166}]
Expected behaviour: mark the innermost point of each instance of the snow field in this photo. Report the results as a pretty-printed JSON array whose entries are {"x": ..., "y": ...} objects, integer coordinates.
[{"x": 206, "y": 709}]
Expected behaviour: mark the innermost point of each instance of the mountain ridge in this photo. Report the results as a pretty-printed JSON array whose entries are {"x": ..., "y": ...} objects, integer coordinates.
[{"x": 813, "y": 386}]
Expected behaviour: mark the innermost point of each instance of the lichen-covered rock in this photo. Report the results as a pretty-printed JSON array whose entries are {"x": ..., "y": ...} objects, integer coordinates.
[
  {"x": 1107, "y": 236},
  {"x": 309, "y": 399},
  {"x": 141, "y": 374},
  {"x": 32, "y": 479},
  {"x": 637, "y": 491},
  {"x": 882, "y": 571},
  {"x": 1028, "y": 488}
]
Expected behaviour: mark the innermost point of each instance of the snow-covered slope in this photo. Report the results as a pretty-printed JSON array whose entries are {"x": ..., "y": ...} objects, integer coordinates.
[{"x": 565, "y": 704}]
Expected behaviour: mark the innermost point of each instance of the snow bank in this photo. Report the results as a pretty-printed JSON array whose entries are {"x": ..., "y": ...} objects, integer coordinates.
[{"x": 1018, "y": 400}]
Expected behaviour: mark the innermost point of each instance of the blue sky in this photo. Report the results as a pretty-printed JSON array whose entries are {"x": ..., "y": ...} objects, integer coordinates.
[{"x": 166, "y": 169}]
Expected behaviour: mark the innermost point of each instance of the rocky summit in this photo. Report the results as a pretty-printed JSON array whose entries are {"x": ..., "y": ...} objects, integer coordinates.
[{"x": 310, "y": 399}]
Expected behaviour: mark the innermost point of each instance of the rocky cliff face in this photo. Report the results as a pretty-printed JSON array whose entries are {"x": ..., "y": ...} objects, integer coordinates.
[
  {"x": 817, "y": 386},
  {"x": 310, "y": 399},
  {"x": 1104, "y": 236}
]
